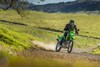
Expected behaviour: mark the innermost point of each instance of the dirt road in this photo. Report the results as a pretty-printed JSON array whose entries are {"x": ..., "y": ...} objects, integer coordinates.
[{"x": 49, "y": 52}]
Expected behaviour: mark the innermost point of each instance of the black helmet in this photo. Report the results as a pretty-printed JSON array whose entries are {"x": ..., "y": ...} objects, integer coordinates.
[{"x": 71, "y": 22}]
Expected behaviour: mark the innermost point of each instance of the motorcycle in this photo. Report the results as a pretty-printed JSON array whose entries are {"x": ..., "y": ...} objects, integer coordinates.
[{"x": 67, "y": 42}]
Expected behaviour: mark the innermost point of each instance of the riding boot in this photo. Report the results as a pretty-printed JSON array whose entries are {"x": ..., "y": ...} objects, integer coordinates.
[{"x": 61, "y": 41}]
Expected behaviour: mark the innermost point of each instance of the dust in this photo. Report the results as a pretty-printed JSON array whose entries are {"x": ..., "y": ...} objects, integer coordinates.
[{"x": 49, "y": 46}]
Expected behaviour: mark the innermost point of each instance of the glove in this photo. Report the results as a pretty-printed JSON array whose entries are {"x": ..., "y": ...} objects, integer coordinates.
[{"x": 76, "y": 33}]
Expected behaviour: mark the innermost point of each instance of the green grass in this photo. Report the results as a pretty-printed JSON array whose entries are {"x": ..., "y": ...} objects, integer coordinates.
[
  {"x": 20, "y": 36},
  {"x": 47, "y": 62},
  {"x": 36, "y": 61},
  {"x": 11, "y": 38}
]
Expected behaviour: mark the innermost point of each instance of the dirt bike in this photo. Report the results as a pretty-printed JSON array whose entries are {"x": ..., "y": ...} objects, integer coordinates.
[{"x": 66, "y": 43}]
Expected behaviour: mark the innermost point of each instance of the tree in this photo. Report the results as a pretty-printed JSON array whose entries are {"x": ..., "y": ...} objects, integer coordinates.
[{"x": 21, "y": 6}]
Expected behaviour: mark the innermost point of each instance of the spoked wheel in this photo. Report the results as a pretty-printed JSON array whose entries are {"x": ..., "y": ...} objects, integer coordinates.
[
  {"x": 58, "y": 47},
  {"x": 70, "y": 46}
]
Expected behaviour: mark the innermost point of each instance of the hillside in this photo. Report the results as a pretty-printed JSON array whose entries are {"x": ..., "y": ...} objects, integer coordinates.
[
  {"x": 20, "y": 37},
  {"x": 17, "y": 33},
  {"x": 85, "y": 6}
]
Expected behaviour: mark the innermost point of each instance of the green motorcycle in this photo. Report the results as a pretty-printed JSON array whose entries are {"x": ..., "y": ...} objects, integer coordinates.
[{"x": 67, "y": 42}]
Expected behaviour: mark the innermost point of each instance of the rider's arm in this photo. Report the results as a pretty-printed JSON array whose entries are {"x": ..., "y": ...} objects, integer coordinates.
[{"x": 66, "y": 27}]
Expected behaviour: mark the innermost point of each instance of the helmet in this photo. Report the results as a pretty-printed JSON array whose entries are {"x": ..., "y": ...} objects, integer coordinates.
[{"x": 71, "y": 22}]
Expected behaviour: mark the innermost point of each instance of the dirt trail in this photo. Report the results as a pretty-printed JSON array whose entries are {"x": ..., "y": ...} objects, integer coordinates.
[
  {"x": 77, "y": 53},
  {"x": 52, "y": 46}
]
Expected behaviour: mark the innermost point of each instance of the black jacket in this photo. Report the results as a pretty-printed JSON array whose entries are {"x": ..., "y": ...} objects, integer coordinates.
[{"x": 69, "y": 27}]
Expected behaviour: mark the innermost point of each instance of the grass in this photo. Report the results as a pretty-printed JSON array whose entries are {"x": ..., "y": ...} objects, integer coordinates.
[
  {"x": 7, "y": 60},
  {"x": 13, "y": 61},
  {"x": 47, "y": 62},
  {"x": 18, "y": 32}
]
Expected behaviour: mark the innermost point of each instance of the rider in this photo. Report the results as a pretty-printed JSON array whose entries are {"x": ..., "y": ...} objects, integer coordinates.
[{"x": 70, "y": 27}]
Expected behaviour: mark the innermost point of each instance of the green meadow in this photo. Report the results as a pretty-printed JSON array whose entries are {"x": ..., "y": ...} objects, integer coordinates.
[{"x": 17, "y": 33}]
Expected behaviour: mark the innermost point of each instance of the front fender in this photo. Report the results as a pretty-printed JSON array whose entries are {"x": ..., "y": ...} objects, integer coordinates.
[
  {"x": 59, "y": 38},
  {"x": 71, "y": 35}
]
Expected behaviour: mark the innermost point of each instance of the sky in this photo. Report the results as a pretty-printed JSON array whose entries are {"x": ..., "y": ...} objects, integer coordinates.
[{"x": 36, "y": 2}]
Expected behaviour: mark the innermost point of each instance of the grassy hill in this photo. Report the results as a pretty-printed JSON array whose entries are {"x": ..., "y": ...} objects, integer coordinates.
[
  {"x": 17, "y": 32},
  {"x": 86, "y": 6}
]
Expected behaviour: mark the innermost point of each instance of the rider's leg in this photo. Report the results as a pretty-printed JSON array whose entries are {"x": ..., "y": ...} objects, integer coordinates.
[
  {"x": 65, "y": 34},
  {"x": 61, "y": 41}
]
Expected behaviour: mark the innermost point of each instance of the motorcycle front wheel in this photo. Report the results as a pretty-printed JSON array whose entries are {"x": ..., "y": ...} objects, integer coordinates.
[
  {"x": 58, "y": 47},
  {"x": 70, "y": 46}
]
